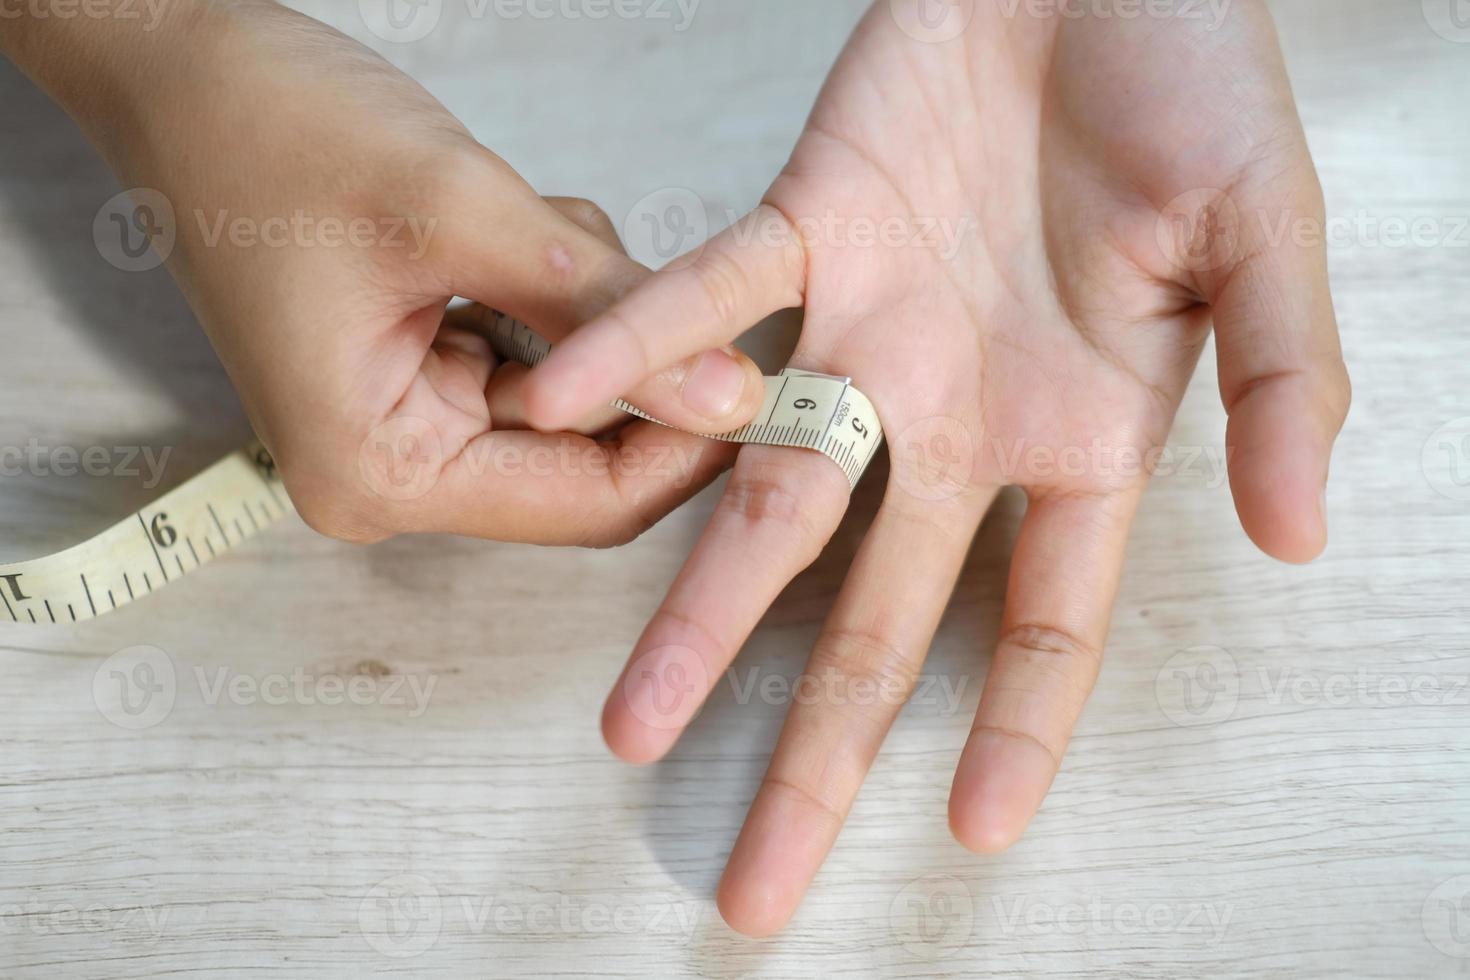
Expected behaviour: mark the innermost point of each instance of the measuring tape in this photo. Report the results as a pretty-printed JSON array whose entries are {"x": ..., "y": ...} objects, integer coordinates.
[{"x": 241, "y": 495}]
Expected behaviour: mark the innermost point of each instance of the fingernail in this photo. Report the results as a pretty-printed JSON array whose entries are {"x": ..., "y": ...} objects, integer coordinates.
[{"x": 714, "y": 387}]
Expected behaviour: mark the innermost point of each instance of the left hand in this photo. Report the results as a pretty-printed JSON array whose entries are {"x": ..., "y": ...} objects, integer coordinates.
[{"x": 1068, "y": 318}]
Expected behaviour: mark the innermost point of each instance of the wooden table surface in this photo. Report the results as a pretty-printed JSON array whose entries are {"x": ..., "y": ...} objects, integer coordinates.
[{"x": 1273, "y": 778}]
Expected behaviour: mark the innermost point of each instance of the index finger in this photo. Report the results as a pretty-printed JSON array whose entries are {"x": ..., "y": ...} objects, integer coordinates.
[{"x": 745, "y": 274}]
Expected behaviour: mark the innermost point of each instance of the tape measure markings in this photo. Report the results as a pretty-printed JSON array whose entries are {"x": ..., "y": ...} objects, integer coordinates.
[
  {"x": 849, "y": 438},
  {"x": 118, "y": 566},
  {"x": 123, "y": 561}
]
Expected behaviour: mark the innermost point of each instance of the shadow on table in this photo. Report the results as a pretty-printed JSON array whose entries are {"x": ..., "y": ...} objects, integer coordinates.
[{"x": 53, "y": 185}]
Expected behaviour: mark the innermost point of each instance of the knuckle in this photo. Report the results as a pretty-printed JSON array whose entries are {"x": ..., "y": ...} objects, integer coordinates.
[
  {"x": 450, "y": 189},
  {"x": 1021, "y": 737},
  {"x": 329, "y": 505},
  {"x": 948, "y": 517},
  {"x": 1339, "y": 393},
  {"x": 856, "y": 657},
  {"x": 821, "y": 806},
  {"x": 722, "y": 283},
  {"x": 621, "y": 529},
  {"x": 588, "y": 214},
  {"x": 634, "y": 512},
  {"x": 798, "y": 242},
  {"x": 456, "y": 177},
  {"x": 1309, "y": 189},
  {"x": 1051, "y": 643},
  {"x": 768, "y": 495}
]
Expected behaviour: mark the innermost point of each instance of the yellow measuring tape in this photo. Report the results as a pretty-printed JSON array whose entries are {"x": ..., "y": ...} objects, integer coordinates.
[{"x": 241, "y": 495}]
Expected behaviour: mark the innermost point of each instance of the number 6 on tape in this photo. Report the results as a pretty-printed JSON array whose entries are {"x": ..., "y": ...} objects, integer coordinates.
[{"x": 241, "y": 495}]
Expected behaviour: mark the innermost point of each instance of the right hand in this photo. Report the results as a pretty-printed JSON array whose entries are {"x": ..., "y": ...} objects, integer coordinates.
[
  {"x": 1047, "y": 347},
  {"x": 385, "y": 413}
]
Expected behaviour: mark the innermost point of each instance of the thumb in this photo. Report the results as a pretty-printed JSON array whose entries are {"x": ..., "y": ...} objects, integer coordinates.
[{"x": 1281, "y": 371}]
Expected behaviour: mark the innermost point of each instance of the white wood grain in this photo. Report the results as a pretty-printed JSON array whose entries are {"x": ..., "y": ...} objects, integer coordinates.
[{"x": 1303, "y": 834}]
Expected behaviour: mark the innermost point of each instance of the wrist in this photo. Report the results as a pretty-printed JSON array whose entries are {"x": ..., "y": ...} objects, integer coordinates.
[{"x": 117, "y": 67}]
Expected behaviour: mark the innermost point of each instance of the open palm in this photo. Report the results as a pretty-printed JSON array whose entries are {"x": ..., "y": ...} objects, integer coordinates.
[{"x": 1015, "y": 242}]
